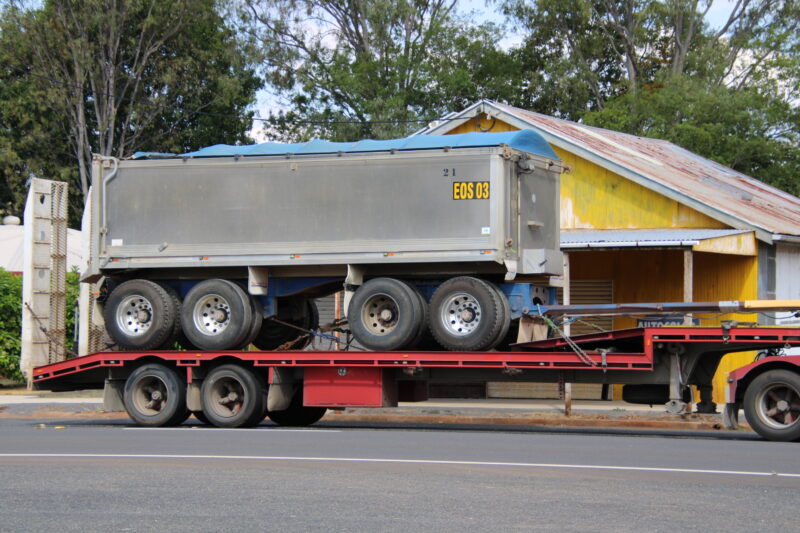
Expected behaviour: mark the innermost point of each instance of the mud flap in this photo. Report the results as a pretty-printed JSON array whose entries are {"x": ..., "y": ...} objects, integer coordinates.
[
  {"x": 281, "y": 388},
  {"x": 730, "y": 416},
  {"x": 113, "y": 395}
]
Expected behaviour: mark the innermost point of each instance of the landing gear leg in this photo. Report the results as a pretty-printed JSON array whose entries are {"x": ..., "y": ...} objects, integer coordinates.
[
  {"x": 706, "y": 405},
  {"x": 675, "y": 405}
]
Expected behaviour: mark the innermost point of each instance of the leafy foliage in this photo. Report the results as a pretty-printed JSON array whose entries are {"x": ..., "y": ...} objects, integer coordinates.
[
  {"x": 655, "y": 68},
  {"x": 741, "y": 128},
  {"x": 11, "y": 320},
  {"x": 112, "y": 77},
  {"x": 10, "y": 324},
  {"x": 354, "y": 70},
  {"x": 72, "y": 294}
]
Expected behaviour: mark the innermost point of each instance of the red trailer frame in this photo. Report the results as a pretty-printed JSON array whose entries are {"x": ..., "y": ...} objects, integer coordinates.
[
  {"x": 554, "y": 354},
  {"x": 667, "y": 357}
]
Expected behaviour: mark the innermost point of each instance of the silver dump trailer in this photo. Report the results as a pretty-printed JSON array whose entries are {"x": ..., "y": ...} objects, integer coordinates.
[{"x": 446, "y": 233}]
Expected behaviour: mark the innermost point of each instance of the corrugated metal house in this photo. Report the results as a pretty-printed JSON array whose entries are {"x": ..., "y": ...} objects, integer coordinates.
[{"x": 644, "y": 220}]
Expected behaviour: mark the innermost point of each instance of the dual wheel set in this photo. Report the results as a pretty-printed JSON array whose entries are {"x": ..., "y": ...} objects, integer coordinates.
[
  {"x": 231, "y": 396},
  {"x": 216, "y": 314},
  {"x": 464, "y": 314}
]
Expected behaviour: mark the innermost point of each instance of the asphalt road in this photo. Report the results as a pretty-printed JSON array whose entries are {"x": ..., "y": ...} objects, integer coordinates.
[{"x": 93, "y": 477}]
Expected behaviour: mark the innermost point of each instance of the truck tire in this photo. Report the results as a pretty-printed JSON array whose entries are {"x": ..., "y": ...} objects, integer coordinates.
[
  {"x": 155, "y": 396},
  {"x": 503, "y": 338},
  {"x": 255, "y": 323},
  {"x": 772, "y": 405},
  {"x": 141, "y": 315},
  {"x": 423, "y": 333},
  {"x": 233, "y": 396},
  {"x": 169, "y": 343},
  {"x": 297, "y": 415},
  {"x": 272, "y": 334},
  {"x": 467, "y": 314},
  {"x": 385, "y": 314},
  {"x": 216, "y": 315},
  {"x": 201, "y": 417}
]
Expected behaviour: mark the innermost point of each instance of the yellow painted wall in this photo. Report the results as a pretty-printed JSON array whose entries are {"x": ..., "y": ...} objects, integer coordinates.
[
  {"x": 595, "y": 198},
  {"x": 741, "y": 244},
  {"x": 657, "y": 276},
  {"x": 726, "y": 277}
]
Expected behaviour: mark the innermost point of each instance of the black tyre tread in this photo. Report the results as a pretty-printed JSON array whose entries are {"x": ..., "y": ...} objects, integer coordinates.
[
  {"x": 255, "y": 322},
  {"x": 300, "y": 417},
  {"x": 750, "y": 409},
  {"x": 239, "y": 329},
  {"x": 185, "y": 343},
  {"x": 247, "y": 306},
  {"x": 164, "y": 315},
  {"x": 182, "y": 418},
  {"x": 255, "y": 391},
  {"x": 272, "y": 335},
  {"x": 297, "y": 415},
  {"x": 405, "y": 333},
  {"x": 177, "y": 412},
  {"x": 503, "y": 338},
  {"x": 424, "y": 320},
  {"x": 486, "y": 336},
  {"x": 169, "y": 343}
]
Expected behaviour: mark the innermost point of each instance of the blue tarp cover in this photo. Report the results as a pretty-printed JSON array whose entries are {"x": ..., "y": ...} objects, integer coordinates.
[{"x": 524, "y": 140}]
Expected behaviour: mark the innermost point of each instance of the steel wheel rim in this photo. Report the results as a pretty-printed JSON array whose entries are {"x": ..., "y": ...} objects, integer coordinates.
[
  {"x": 460, "y": 314},
  {"x": 227, "y": 397},
  {"x": 211, "y": 315},
  {"x": 380, "y": 314},
  {"x": 150, "y": 396},
  {"x": 778, "y": 406},
  {"x": 134, "y": 315}
]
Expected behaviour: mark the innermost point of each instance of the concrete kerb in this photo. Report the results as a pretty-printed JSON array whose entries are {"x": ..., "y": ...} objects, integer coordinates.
[{"x": 516, "y": 413}]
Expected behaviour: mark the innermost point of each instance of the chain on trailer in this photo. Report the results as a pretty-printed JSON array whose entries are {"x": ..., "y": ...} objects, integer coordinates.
[
  {"x": 582, "y": 355},
  {"x": 322, "y": 332}
]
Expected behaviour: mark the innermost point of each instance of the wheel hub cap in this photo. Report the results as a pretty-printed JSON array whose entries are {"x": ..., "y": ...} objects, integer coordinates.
[
  {"x": 380, "y": 315},
  {"x": 134, "y": 315},
  {"x": 150, "y": 395},
  {"x": 778, "y": 406},
  {"x": 468, "y": 315},
  {"x": 211, "y": 314},
  {"x": 460, "y": 314},
  {"x": 228, "y": 397}
]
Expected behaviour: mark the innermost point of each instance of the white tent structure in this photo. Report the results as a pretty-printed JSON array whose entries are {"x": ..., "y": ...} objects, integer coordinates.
[{"x": 11, "y": 248}]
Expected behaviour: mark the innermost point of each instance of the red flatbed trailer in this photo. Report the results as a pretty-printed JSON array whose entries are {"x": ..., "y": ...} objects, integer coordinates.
[{"x": 241, "y": 388}]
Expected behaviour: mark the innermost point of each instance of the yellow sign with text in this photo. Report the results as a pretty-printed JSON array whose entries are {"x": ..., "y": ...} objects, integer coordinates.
[{"x": 470, "y": 190}]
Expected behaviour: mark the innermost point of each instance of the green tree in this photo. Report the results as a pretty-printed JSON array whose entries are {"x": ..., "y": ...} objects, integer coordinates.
[
  {"x": 748, "y": 129},
  {"x": 351, "y": 70},
  {"x": 116, "y": 76},
  {"x": 10, "y": 324},
  {"x": 656, "y": 68},
  {"x": 11, "y": 320},
  {"x": 33, "y": 139}
]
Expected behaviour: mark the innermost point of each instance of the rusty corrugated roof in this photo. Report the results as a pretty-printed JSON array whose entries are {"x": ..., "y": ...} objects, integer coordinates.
[{"x": 716, "y": 190}]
